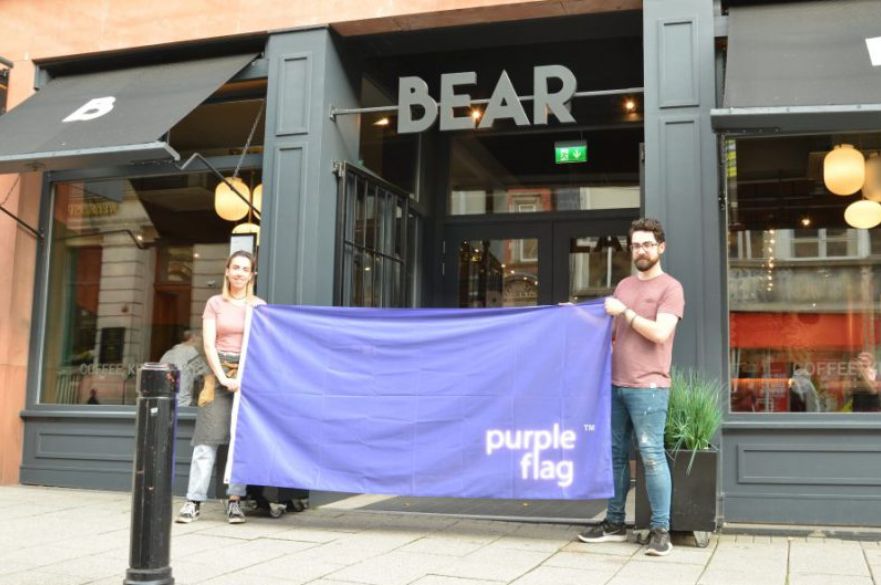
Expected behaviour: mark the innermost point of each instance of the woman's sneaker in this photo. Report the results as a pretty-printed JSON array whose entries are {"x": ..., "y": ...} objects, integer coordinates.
[
  {"x": 234, "y": 514},
  {"x": 659, "y": 543},
  {"x": 188, "y": 513},
  {"x": 605, "y": 532}
]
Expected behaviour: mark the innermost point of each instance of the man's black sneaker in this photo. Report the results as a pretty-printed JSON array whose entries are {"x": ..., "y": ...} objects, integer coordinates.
[
  {"x": 605, "y": 532},
  {"x": 188, "y": 513},
  {"x": 659, "y": 543}
]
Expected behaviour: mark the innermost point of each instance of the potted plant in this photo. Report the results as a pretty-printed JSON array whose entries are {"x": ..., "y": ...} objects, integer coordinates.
[{"x": 694, "y": 415}]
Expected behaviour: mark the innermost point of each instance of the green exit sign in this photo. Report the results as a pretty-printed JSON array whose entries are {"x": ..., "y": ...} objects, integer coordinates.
[{"x": 570, "y": 152}]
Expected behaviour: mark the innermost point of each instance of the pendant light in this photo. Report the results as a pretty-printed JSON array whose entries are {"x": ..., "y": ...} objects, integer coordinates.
[
  {"x": 252, "y": 228},
  {"x": 227, "y": 203},
  {"x": 863, "y": 214},
  {"x": 257, "y": 198},
  {"x": 844, "y": 170},
  {"x": 872, "y": 186}
]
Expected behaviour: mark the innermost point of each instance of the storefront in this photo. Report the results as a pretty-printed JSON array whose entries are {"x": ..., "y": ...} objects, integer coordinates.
[
  {"x": 801, "y": 441},
  {"x": 476, "y": 165}
]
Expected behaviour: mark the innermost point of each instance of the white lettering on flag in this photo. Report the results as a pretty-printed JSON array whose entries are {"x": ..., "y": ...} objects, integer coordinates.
[{"x": 534, "y": 442}]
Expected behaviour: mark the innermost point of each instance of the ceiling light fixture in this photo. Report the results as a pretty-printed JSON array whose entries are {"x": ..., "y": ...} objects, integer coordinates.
[
  {"x": 863, "y": 214},
  {"x": 872, "y": 184},
  {"x": 248, "y": 228},
  {"x": 844, "y": 170}
]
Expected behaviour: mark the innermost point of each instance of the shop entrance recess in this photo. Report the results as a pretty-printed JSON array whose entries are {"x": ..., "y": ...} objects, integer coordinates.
[{"x": 535, "y": 260}]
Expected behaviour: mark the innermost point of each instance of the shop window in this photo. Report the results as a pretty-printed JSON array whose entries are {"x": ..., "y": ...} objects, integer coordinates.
[
  {"x": 506, "y": 173},
  {"x": 377, "y": 242},
  {"x": 131, "y": 265},
  {"x": 804, "y": 286},
  {"x": 825, "y": 243}
]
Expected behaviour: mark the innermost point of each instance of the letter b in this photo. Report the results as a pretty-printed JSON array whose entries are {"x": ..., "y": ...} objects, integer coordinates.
[
  {"x": 413, "y": 91},
  {"x": 94, "y": 108}
]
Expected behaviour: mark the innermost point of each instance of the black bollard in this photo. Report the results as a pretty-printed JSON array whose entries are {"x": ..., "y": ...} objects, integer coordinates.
[{"x": 150, "y": 551}]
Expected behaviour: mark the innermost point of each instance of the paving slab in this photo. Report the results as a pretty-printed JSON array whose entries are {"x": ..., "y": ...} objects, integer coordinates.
[
  {"x": 78, "y": 537},
  {"x": 828, "y": 558}
]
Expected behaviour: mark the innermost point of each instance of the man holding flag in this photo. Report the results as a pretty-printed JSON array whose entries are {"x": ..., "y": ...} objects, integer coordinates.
[{"x": 647, "y": 308}]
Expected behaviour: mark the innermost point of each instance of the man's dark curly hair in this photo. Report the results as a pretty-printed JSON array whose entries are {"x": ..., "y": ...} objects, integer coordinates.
[{"x": 647, "y": 224}]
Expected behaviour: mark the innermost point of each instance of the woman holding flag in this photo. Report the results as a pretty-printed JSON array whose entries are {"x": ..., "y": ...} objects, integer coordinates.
[{"x": 223, "y": 328}]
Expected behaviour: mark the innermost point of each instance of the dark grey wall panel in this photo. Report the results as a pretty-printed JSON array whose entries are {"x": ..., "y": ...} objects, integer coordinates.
[
  {"x": 681, "y": 182},
  {"x": 286, "y": 223},
  {"x": 308, "y": 75},
  {"x": 681, "y": 185},
  {"x": 680, "y": 165},
  {"x": 802, "y": 475},
  {"x": 92, "y": 453},
  {"x": 678, "y": 63},
  {"x": 295, "y": 77},
  {"x": 796, "y": 464}
]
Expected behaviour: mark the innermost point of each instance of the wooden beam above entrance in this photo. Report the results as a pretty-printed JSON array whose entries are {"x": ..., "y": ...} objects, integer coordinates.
[{"x": 465, "y": 12}]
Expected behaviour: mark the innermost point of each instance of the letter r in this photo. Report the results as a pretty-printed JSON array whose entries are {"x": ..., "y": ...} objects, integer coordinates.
[
  {"x": 555, "y": 103},
  {"x": 94, "y": 108}
]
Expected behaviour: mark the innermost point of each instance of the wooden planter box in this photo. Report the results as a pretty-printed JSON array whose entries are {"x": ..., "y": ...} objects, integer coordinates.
[{"x": 693, "y": 507}]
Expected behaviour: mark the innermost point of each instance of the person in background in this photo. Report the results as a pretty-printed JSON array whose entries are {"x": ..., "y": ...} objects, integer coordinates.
[
  {"x": 864, "y": 388},
  {"x": 803, "y": 390},
  {"x": 189, "y": 362},
  {"x": 223, "y": 327},
  {"x": 646, "y": 307},
  {"x": 93, "y": 397}
]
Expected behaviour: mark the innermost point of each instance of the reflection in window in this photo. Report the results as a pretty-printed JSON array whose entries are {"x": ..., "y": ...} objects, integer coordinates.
[
  {"x": 596, "y": 264},
  {"x": 498, "y": 273},
  {"x": 517, "y": 174},
  {"x": 132, "y": 263},
  {"x": 804, "y": 287}
]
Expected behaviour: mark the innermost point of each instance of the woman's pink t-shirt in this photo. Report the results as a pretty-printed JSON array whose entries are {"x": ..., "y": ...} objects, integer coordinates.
[{"x": 230, "y": 322}]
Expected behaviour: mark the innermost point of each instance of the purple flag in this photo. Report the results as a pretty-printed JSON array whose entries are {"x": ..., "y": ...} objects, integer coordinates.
[{"x": 477, "y": 403}]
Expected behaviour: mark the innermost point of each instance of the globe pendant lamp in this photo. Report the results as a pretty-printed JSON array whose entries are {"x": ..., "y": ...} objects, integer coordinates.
[
  {"x": 227, "y": 204},
  {"x": 863, "y": 214},
  {"x": 872, "y": 186},
  {"x": 252, "y": 228},
  {"x": 844, "y": 170},
  {"x": 257, "y": 198}
]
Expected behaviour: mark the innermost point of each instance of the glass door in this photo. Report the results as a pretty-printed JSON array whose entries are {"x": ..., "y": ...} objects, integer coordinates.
[
  {"x": 590, "y": 258},
  {"x": 524, "y": 263},
  {"x": 499, "y": 265}
]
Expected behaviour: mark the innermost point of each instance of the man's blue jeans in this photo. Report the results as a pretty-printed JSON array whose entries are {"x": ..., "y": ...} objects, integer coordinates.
[{"x": 642, "y": 411}]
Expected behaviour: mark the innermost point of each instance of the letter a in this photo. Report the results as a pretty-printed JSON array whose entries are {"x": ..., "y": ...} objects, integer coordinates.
[{"x": 94, "y": 108}]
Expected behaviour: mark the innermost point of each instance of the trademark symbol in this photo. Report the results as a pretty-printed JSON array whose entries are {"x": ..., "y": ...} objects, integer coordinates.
[{"x": 590, "y": 428}]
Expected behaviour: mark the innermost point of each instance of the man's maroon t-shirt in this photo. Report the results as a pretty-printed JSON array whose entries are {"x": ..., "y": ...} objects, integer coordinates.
[{"x": 636, "y": 361}]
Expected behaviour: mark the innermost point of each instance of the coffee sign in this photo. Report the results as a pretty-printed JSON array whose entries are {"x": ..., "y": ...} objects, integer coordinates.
[{"x": 503, "y": 104}]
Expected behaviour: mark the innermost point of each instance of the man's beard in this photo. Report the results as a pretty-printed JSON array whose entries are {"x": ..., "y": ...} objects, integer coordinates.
[{"x": 643, "y": 264}]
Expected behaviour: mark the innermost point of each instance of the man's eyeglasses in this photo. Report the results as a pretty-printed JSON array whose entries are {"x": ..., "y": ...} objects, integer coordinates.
[{"x": 647, "y": 246}]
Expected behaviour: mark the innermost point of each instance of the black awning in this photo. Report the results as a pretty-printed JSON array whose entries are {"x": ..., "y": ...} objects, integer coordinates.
[
  {"x": 109, "y": 117},
  {"x": 802, "y": 67}
]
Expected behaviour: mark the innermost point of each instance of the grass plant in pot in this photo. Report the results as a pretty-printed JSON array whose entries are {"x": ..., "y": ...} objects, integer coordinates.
[{"x": 694, "y": 415}]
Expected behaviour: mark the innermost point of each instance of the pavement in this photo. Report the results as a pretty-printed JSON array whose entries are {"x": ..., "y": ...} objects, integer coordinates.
[{"x": 53, "y": 536}]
